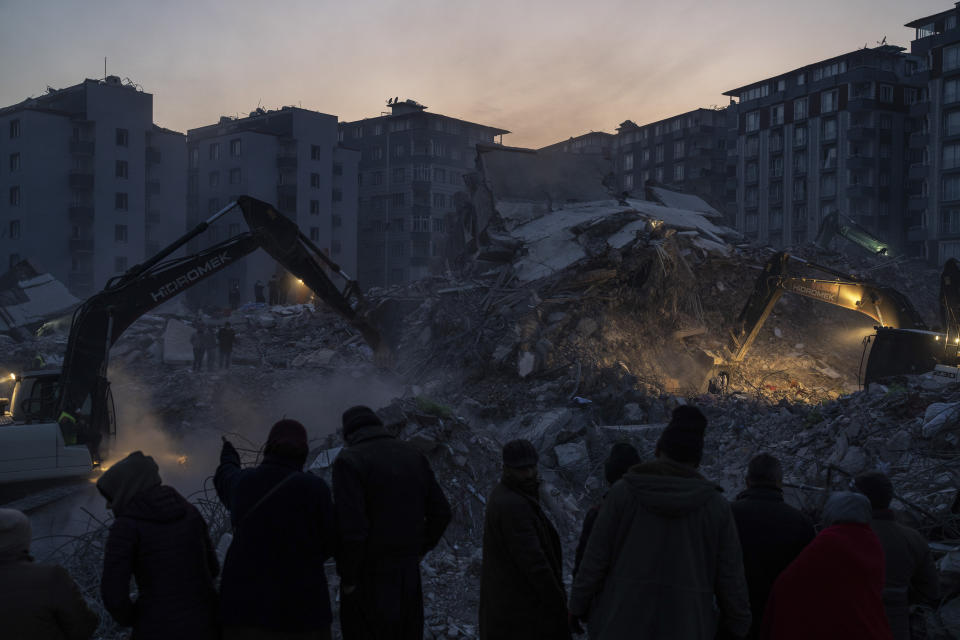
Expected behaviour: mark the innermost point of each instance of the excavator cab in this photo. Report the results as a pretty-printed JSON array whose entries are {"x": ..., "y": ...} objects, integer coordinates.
[{"x": 892, "y": 352}]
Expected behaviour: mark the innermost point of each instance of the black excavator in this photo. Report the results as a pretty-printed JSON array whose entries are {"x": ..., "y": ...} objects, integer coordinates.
[
  {"x": 902, "y": 344},
  {"x": 73, "y": 407}
]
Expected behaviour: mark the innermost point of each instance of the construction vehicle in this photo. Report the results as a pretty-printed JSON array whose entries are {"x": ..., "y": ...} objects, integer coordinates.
[
  {"x": 834, "y": 225},
  {"x": 902, "y": 344},
  {"x": 60, "y": 423}
]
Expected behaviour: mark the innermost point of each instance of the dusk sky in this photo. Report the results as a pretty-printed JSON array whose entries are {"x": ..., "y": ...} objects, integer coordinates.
[{"x": 545, "y": 70}]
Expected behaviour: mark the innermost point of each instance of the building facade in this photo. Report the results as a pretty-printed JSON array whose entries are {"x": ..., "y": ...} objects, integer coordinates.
[
  {"x": 933, "y": 179},
  {"x": 830, "y": 136},
  {"x": 411, "y": 164},
  {"x": 89, "y": 184},
  {"x": 288, "y": 157},
  {"x": 597, "y": 143},
  {"x": 686, "y": 152}
]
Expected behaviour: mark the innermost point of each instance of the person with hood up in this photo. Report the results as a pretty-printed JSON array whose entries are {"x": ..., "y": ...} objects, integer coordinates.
[
  {"x": 274, "y": 585},
  {"x": 162, "y": 541},
  {"x": 834, "y": 589},
  {"x": 37, "y": 601},
  {"x": 522, "y": 596},
  {"x": 390, "y": 513},
  {"x": 664, "y": 556},
  {"x": 911, "y": 576},
  {"x": 772, "y": 533},
  {"x": 623, "y": 455}
]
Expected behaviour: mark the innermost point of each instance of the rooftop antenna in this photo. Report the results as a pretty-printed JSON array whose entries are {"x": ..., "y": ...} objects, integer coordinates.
[
  {"x": 104, "y": 67},
  {"x": 882, "y": 42}
]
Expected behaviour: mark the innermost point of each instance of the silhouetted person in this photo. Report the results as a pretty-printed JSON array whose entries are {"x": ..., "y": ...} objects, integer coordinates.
[
  {"x": 390, "y": 513},
  {"x": 198, "y": 342},
  {"x": 258, "y": 292},
  {"x": 161, "y": 540},
  {"x": 663, "y": 559},
  {"x": 37, "y": 600},
  {"x": 274, "y": 584},
  {"x": 273, "y": 287},
  {"x": 225, "y": 339},
  {"x": 234, "y": 296},
  {"x": 210, "y": 347},
  {"x": 910, "y": 575},
  {"x": 283, "y": 288},
  {"x": 521, "y": 581},
  {"x": 623, "y": 455},
  {"x": 772, "y": 533},
  {"x": 834, "y": 589}
]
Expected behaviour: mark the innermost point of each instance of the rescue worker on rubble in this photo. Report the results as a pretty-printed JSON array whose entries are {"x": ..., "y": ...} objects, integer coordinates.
[
  {"x": 161, "y": 540},
  {"x": 258, "y": 292},
  {"x": 197, "y": 341},
  {"x": 273, "y": 287},
  {"x": 910, "y": 575},
  {"x": 390, "y": 513},
  {"x": 663, "y": 559},
  {"x": 834, "y": 589},
  {"x": 210, "y": 347},
  {"x": 37, "y": 600},
  {"x": 274, "y": 584},
  {"x": 522, "y": 596},
  {"x": 225, "y": 338},
  {"x": 233, "y": 297},
  {"x": 772, "y": 533},
  {"x": 623, "y": 455}
]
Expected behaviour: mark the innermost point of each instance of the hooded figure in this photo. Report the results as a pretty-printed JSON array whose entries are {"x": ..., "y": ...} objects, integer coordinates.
[
  {"x": 161, "y": 540},
  {"x": 37, "y": 600},
  {"x": 390, "y": 513},
  {"x": 834, "y": 589},
  {"x": 274, "y": 584},
  {"x": 663, "y": 556}
]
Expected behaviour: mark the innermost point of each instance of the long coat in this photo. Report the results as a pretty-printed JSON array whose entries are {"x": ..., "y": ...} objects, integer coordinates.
[
  {"x": 663, "y": 551},
  {"x": 161, "y": 540},
  {"x": 390, "y": 512},
  {"x": 522, "y": 595},
  {"x": 42, "y": 601}
]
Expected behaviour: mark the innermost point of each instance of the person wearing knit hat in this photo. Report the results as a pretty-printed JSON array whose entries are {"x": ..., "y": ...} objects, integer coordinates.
[
  {"x": 521, "y": 577},
  {"x": 390, "y": 513},
  {"x": 910, "y": 576},
  {"x": 37, "y": 600},
  {"x": 663, "y": 556},
  {"x": 623, "y": 455},
  {"x": 274, "y": 582},
  {"x": 160, "y": 540}
]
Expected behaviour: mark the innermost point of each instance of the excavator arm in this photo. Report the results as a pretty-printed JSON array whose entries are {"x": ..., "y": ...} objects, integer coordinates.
[
  {"x": 836, "y": 225},
  {"x": 100, "y": 321},
  {"x": 887, "y": 306}
]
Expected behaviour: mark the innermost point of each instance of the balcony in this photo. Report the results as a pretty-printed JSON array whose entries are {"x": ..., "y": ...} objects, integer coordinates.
[
  {"x": 860, "y": 103},
  {"x": 81, "y": 215},
  {"x": 82, "y": 147},
  {"x": 918, "y": 171},
  {"x": 861, "y": 191},
  {"x": 917, "y": 203},
  {"x": 919, "y": 139},
  {"x": 81, "y": 245},
  {"x": 287, "y": 161},
  {"x": 860, "y": 162},
  {"x": 80, "y": 179},
  {"x": 153, "y": 155},
  {"x": 862, "y": 132},
  {"x": 919, "y": 109}
]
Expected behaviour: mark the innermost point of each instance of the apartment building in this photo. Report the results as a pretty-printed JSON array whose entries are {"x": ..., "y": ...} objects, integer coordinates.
[
  {"x": 686, "y": 152},
  {"x": 412, "y": 163},
  {"x": 830, "y": 136},
  {"x": 288, "y": 157},
  {"x": 88, "y": 184},
  {"x": 597, "y": 143},
  {"x": 933, "y": 177}
]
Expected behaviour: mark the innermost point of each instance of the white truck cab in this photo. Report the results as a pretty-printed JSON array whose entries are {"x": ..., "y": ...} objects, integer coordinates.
[{"x": 32, "y": 444}]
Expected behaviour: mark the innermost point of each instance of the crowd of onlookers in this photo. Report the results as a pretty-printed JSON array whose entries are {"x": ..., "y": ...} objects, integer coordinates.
[{"x": 664, "y": 555}]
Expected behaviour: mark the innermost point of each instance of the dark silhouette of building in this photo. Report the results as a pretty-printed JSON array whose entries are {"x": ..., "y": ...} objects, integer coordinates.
[{"x": 598, "y": 143}]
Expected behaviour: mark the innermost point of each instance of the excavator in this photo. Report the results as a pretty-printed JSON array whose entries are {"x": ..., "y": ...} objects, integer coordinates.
[
  {"x": 60, "y": 423},
  {"x": 902, "y": 344},
  {"x": 834, "y": 225}
]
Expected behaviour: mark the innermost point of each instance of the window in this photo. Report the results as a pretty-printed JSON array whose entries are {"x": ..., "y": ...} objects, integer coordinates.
[
  {"x": 314, "y": 180},
  {"x": 421, "y": 172},
  {"x": 951, "y": 57},
  {"x": 751, "y": 196},
  {"x": 781, "y": 85},
  {"x": 776, "y": 114},
  {"x": 438, "y": 226},
  {"x": 439, "y": 175},
  {"x": 757, "y": 92},
  {"x": 829, "y": 157},
  {"x": 751, "y": 172},
  {"x": 193, "y": 184},
  {"x": 776, "y": 218},
  {"x": 951, "y": 91},
  {"x": 316, "y": 152},
  {"x": 399, "y": 249},
  {"x": 213, "y": 205},
  {"x": 336, "y": 195},
  {"x": 337, "y": 169},
  {"x": 336, "y": 220},
  {"x": 776, "y": 167},
  {"x": 658, "y": 152},
  {"x": 120, "y": 233},
  {"x": 752, "y": 146},
  {"x": 628, "y": 182},
  {"x": 437, "y": 148},
  {"x": 800, "y": 109},
  {"x": 799, "y": 189},
  {"x": 828, "y": 101},
  {"x": 752, "y": 121},
  {"x": 658, "y": 174},
  {"x": 377, "y": 177},
  {"x": 214, "y": 151},
  {"x": 14, "y": 162},
  {"x": 678, "y": 172},
  {"x": 950, "y": 222},
  {"x": 776, "y": 191},
  {"x": 951, "y": 123},
  {"x": 14, "y": 229},
  {"x": 358, "y": 131},
  {"x": 120, "y": 263},
  {"x": 235, "y": 148},
  {"x": 214, "y": 178},
  {"x": 398, "y": 199},
  {"x": 801, "y": 79},
  {"x": 886, "y": 122},
  {"x": 235, "y": 176},
  {"x": 678, "y": 149},
  {"x": 315, "y": 234},
  {"x": 314, "y": 207},
  {"x": 627, "y": 161},
  {"x": 800, "y": 136},
  {"x": 776, "y": 141},
  {"x": 800, "y": 162},
  {"x": 398, "y": 175},
  {"x": 420, "y": 223},
  {"x": 829, "y": 70},
  {"x": 122, "y": 169},
  {"x": 886, "y": 93},
  {"x": 194, "y": 157},
  {"x": 751, "y": 222},
  {"x": 676, "y": 125},
  {"x": 120, "y": 201},
  {"x": 645, "y": 157},
  {"x": 398, "y": 151},
  {"x": 123, "y": 137},
  {"x": 951, "y": 156},
  {"x": 828, "y": 185},
  {"x": 439, "y": 200},
  {"x": 14, "y": 128},
  {"x": 885, "y": 151},
  {"x": 829, "y": 128}
]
